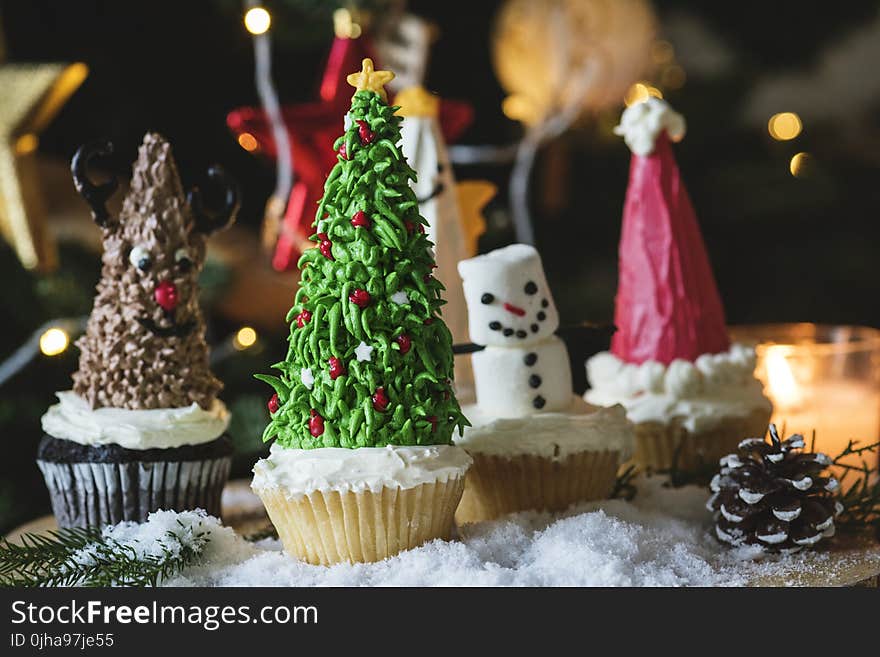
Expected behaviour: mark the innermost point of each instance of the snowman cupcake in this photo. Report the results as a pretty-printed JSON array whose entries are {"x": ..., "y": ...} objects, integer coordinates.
[{"x": 535, "y": 444}]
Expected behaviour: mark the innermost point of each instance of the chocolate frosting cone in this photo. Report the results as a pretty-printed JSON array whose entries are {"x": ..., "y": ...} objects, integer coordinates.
[{"x": 144, "y": 345}]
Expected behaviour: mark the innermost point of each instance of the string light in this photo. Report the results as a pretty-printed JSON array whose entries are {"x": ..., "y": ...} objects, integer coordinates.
[
  {"x": 784, "y": 126},
  {"x": 54, "y": 341},
  {"x": 248, "y": 142},
  {"x": 257, "y": 20},
  {"x": 245, "y": 338}
]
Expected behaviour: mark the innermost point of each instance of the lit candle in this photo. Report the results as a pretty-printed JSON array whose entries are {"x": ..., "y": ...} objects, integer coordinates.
[{"x": 828, "y": 383}]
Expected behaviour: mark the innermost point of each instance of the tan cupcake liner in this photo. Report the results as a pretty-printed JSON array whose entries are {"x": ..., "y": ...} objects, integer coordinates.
[
  {"x": 659, "y": 446},
  {"x": 497, "y": 485},
  {"x": 327, "y": 527}
]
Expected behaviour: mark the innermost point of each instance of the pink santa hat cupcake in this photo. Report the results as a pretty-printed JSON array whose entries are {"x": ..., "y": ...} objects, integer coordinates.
[{"x": 691, "y": 394}]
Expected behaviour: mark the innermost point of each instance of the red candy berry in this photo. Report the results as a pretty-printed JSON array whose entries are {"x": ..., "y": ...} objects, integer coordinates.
[
  {"x": 274, "y": 403},
  {"x": 342, "y": 152},
  {"x": 380, "y": 399},
  {"x": 359, "y": 219},
  {"x": 410, "y": 226},
  {"x": 367, "y": 136},
  {"x": 303, "y": 318},
  {"x": 316, "y": 423},
  {"x": 360, "y": 298},
  {"x": 404, "y": 341},
  {"x": 167, "y": 296},
  {"x": 336, "y": 368},
  {"x": 433, "y": 420},
  {"x": 325, "y": 246}
]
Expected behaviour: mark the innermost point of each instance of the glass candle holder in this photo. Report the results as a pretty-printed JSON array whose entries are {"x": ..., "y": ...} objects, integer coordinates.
[{"x": 820, "y": 378}]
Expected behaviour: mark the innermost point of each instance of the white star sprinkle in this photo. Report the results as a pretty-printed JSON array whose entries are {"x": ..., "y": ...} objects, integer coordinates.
[
  {"x": 400, "y": 297},
  {"x": 363, "y": 352},
  {"x": 305, "y": 375}
]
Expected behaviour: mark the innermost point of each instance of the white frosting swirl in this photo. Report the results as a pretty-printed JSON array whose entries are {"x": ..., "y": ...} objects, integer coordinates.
[
  {"x": 642, "y": 123},
  {"x": 704, "y": 392},
  {"x": 551, "y": 435},
  {"x": 302, "y": 471},
  {"x": 73, "y": 419}
]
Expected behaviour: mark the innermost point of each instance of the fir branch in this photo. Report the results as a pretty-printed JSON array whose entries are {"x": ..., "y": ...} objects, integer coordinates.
[
  {"x": 861, "y": 498},
  {"x": 88, "y": 557}
]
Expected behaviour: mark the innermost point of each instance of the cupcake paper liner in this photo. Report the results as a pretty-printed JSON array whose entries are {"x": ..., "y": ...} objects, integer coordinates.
[
  {"x": 659, "y": 446},
  {"x": 497, "y": 485},
  {"x": 327, "y": 527},
  {"x": 94, "y": 494}
]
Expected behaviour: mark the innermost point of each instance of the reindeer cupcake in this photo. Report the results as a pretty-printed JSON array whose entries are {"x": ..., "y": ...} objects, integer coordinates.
[{"x": 142, "y": 428}]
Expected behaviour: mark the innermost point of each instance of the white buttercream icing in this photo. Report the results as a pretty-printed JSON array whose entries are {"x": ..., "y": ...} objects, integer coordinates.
[
  {"x": 552, "y": 435},
  {"x": 642, "y": 123},
  {"x": 702, "y": 393},
  {"x": 303, "y": 471},
  {"x": 73, "y": 419}
]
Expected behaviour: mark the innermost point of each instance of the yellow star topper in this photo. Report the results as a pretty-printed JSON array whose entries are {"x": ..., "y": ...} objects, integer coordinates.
[{"x": 369, "y": 79}]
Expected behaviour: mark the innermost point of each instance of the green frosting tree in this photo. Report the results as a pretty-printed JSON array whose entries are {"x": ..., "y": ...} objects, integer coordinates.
[{"x": 370, "y": 360}]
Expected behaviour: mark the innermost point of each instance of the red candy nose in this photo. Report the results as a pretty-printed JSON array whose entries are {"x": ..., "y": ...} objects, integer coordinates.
[
  {"x": 166, "y": 295},
  {"x": 516, "y": 310}
]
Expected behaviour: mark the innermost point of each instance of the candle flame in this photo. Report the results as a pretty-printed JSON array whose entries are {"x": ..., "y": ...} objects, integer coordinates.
[{"x": 781, "y": 385}]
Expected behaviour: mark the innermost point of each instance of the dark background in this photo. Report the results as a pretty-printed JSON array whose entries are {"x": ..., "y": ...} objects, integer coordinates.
[{"x": 783, "y": 248}]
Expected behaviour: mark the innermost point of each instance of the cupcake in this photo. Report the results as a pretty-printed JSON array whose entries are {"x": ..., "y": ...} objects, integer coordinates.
[
  {"x": 535, "y": 444},
  {"x": 691, "y": 394},
  {"x": 142, "y": 429},
  {"x": 362, "y": 465}
]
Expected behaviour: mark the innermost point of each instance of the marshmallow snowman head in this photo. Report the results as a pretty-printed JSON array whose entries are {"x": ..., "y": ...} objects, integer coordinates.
[{"x": 509, "y": 302}]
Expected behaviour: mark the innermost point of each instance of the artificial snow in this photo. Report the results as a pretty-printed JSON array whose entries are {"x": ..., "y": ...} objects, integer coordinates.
[{"x": 662, "y": 538}]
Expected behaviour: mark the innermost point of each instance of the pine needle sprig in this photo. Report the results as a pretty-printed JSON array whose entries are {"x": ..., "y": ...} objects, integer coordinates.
[
  {"x": 859, "y": 488},
  {"x": 88, "y": 557}
]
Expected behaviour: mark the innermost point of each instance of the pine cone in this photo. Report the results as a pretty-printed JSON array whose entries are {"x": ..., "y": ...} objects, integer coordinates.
[{"x": 774, "y": 495}]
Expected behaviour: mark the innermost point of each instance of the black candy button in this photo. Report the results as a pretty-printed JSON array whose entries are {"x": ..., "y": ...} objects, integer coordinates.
[
  {"x": 531, "y": 288},
  {"x": 535, "y": 381},
  {"x": 544, "y": 303},
  {"x": 539, "y": 402},
  {"x": 521, "y": 334},
  {"x": 542, "y": 316},
  {"x": 495, "y": 326},
  {"x": 487, "y": 298},
  {"x": 534, "y": 328},
  {"x": 530, "y": 358},
  {"x": 508, "y": 332}
]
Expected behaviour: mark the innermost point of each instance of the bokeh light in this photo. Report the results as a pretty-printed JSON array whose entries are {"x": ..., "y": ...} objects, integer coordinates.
[
  {"x": 54, "y": 341},
  {"x": 245, "y": 338},
  {"x": 257, "y": 20},
  {"x": 800, "y": 164},
  {"x": 784, "y": 126},
  {"x": 248, "y": 142},
  {"x": 640, "y": 92}
]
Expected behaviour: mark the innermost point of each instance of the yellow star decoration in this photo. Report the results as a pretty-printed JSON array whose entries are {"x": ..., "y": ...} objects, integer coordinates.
[
  {"x": 473, "y": 195},
  {"x": 32, "y": 95},
  {"x": 369, "y": 79}
]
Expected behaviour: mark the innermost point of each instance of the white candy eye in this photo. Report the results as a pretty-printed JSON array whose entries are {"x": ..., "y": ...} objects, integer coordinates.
[
  {"x": 140, "y": 258},
  {"x": 182, "y": 259}
]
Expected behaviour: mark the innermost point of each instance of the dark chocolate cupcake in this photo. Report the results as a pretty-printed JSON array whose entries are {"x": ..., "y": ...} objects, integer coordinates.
[{"x": 142, "y": 428}]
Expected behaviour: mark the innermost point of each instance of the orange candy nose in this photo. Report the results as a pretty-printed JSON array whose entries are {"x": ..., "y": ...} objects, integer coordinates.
[{"x": 166, "y": 295}]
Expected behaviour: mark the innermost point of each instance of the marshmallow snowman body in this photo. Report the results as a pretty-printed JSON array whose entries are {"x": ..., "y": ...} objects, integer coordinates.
[
  {"x": 524, "y": 368},
  {"x": 519, "y": 381}
]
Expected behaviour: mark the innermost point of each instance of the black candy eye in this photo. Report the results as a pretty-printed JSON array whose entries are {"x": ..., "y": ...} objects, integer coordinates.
[
  {"x": 184, "y": 262},
  {"x": 531, "y": 288},
  {"x": 140, "y": 258},
  {"x": 487, "y": 298}
]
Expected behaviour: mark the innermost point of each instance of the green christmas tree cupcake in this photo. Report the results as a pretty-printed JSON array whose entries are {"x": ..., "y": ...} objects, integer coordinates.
[{"x": 363, "y": 413}]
